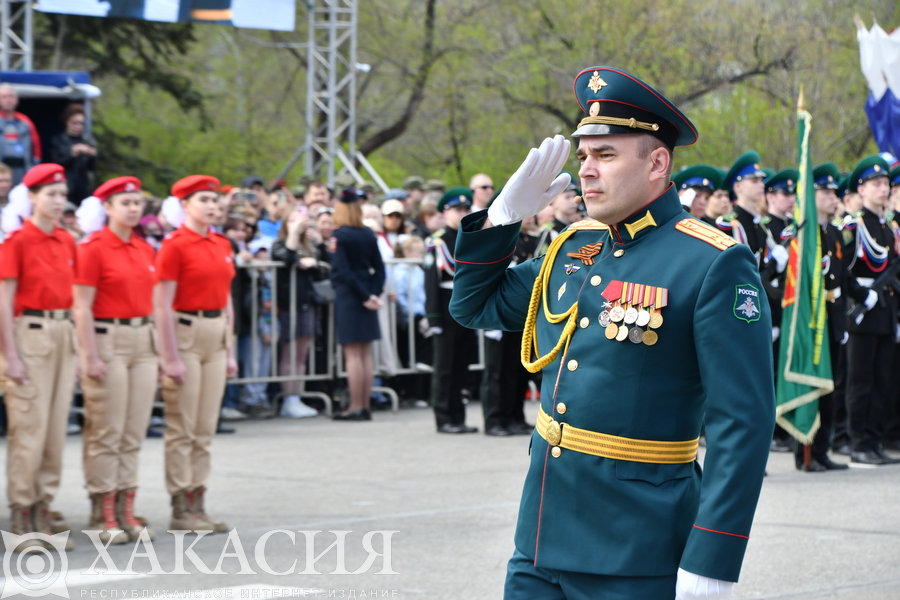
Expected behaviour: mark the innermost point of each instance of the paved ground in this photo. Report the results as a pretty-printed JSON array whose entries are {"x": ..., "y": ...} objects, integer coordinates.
[{"x": 452, "y": 501}]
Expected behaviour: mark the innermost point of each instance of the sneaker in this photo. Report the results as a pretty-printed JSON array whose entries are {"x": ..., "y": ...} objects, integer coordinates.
[
  {"x": 421, "y": 404},
  {"x": 295, "y": 409},
  {"x": 232, "y": 414}
]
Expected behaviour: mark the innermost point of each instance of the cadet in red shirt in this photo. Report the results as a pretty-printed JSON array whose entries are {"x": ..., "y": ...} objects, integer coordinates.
[
  {"x": 37, "y": 267},
  {"x": 114, "y": 289},
  {"x": 195, "y": 267}
]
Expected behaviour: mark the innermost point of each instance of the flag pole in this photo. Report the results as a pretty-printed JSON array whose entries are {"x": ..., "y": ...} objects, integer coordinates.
[{"x": 807, "y": 448}]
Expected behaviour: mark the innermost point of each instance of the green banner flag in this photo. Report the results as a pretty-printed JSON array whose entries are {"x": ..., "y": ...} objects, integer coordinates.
[{"x": 804, "y": 364}]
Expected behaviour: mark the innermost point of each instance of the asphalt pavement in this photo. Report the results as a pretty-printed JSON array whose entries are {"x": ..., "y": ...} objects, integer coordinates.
[{"x": 290, "y": 488}]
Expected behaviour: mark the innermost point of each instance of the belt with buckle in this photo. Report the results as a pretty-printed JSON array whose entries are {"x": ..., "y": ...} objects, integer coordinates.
[
  {"x": 615, "y": 447},
  {"x": 57, "y": 315},
  {"x": 133, "y": 322},
  {"x": 209, "y": 314}
]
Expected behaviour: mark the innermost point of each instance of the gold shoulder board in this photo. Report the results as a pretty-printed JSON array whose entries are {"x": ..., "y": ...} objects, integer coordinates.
[
  {"x": 587, "y": 225},
  {"x": 702, "y": 231}
]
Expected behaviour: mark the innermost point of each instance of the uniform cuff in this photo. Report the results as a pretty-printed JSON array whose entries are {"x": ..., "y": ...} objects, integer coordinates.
[
  {"x": 477, "y": 246},
  {"x": 714, "y": 554}
]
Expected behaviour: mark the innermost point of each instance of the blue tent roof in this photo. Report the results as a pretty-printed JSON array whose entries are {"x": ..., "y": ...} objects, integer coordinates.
[{"x": 58, "y": 79}]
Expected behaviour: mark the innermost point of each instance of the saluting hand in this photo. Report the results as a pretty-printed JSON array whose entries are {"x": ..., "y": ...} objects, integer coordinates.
[
  {"x": 534, "y": 185},
  {"x": 96, "y": 369},
  {"x": 15, "y": 370}
]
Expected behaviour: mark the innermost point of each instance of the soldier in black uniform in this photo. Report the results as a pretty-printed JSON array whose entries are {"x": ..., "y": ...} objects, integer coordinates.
[
  {"x": 870, "y": 350},
  {"x": 891, "y": 439},
  {"x": 745, "y": 223},
  {"x": 452, "y": 341},
  {"x": 506, "y": 380},
  {"x": 838, "y": 284}
]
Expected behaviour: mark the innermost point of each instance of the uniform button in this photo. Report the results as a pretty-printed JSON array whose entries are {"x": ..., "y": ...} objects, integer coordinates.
[
  {"x": 832, "y": 275},
  {"x": 585, "y": 322},
  {"x": 618, "y": 253},
  {"x": 561, "y": 408},
  {"x": 573, "y": 364},
  {"x": 596, "y": 280},
  {"x": 556, "y": 452}
]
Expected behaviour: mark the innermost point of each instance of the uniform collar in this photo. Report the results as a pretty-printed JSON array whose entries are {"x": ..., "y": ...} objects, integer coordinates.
[
  {"x": 741, "y": 210},
  {"x": 113, "y": 240},
  {"x": 31, "y": 230},
  {"x": 193, "y": 236},
  {"x": 648, "y": 218},
  {"x": 866, "y": 213}
]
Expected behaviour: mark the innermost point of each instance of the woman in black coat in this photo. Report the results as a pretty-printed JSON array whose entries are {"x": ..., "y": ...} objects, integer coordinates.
[
  {"x": 75, "y": 151},
  {"x": 357, "y": 273}
]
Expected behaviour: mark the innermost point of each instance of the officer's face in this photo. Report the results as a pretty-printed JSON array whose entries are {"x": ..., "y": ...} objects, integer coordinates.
[
  {"x": 615, "y": 180},
  {"x": 454, "y": 214},
  {"x": 781, "y": 203},
  {"x": 698, "y": 205},
  {"x": 719, "y": 203},
  {"x": 125, "y": 209},
  {"x": 752, "y": 189},
  {"x": 826, "y": 202},
  {"x": 874, "y": 193}
]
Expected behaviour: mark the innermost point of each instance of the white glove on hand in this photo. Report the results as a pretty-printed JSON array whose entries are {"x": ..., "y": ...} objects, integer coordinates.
[
  {"x": 534, "y": 185},
  {"x": 846, "y": 337},
  {"x": 871, "y": 300},
  {"x": 433, "y": 331},
  {"x": 694, "y": 587},
  {"x": 776, "y": 333},
  {"x": 780, "y": 255}
]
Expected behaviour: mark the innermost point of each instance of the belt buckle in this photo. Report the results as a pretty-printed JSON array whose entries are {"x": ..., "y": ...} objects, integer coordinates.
[
  {"x": 136, "y": 321},
  {"x": 554, "y": 433},
  {"x": 58, "y": 314}
]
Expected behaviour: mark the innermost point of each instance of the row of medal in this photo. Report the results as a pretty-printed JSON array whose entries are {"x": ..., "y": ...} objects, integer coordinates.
[{"x": 632, "y": 311}]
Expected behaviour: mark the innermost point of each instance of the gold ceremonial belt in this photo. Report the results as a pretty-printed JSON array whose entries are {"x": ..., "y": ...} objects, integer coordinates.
[{"x": 611, "y": 446}]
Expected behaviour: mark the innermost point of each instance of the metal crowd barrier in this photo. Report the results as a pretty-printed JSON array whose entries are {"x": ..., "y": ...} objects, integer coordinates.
[{"x": 334, "y": 367}]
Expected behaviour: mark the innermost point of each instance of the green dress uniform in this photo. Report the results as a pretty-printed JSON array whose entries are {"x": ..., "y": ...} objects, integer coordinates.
[{"x": 644, "y": 330}]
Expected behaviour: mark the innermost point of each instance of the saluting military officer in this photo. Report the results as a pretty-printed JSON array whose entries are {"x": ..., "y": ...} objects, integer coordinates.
[
  {"x": 838, "y": 285},
  {"x": 37, "y": 268},
  {"x": 453, "y": 343},
  {"x": 639, "y": 348},
  {"x": 114, "y": 291},
  {"x": 870, "y": 349}
]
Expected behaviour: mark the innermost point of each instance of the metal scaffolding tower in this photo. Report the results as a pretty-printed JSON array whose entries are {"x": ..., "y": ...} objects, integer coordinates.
[
  {"x": 16, "y": 35},
  {"x": 331, "y": 86}
]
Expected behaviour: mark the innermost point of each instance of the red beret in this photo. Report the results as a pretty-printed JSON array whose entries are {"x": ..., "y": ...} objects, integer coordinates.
[
  {"x": 195, "y": 183},
  {"x": 44, "y": 174},
  {"x": 118, "y": 185},
  {"x": 226, "y": 188}
]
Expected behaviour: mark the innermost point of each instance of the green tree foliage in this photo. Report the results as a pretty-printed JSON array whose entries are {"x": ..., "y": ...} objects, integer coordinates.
[{"x": 465, "y": 86}]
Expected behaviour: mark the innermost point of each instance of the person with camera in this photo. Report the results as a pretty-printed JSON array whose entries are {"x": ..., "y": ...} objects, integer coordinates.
[{"x": 296, "y": 248}]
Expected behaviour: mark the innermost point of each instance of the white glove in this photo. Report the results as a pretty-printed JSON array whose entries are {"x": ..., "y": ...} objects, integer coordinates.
[
  {"x": 871, "y": 300},
  {"x": 694, "y": 587},
  {"x": 433, "y": 331},
  {"x": 534, "y": 185},
  {"x": 687, "y": 198},
  {"x": 780, "y": 255},
  {"x": 776, "y": 333},
  {"x": 846, "y": 337},
  {"x": 493, "y": 334}
]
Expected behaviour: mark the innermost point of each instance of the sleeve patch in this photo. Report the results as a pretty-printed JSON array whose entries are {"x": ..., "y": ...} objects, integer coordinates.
[{"x": 702, "y": 231}]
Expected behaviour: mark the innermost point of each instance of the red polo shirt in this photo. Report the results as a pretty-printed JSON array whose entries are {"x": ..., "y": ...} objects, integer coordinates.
[
  {"x": 124, "y": 274},
  {"x": 43, "y": 265},
  {"x": 202, "y": 265}
]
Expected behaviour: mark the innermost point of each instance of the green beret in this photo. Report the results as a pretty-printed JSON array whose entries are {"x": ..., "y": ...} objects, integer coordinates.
[
  {"x": 826, "y": 176},
  {"x": 784, "y": 181},
  {"x": 871, "y": 167},
  {"x": 455, "y": 196},
  {"x": 698, "y": 176}
]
